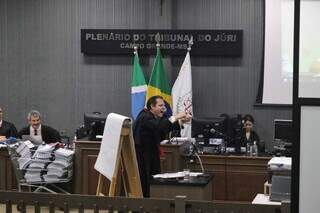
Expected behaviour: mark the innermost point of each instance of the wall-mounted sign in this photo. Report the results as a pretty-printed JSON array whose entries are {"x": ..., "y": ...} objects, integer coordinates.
[{"x": 172, "y": 42}]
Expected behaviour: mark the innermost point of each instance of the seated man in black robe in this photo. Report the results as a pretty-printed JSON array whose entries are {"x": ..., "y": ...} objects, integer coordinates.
[
  {"x": 37, "y": 131},
  {"x": 7, "y": 129}
]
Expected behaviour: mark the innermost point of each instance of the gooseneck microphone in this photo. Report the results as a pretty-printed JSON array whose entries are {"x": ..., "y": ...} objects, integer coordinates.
[{"x": 189, "y": 148}]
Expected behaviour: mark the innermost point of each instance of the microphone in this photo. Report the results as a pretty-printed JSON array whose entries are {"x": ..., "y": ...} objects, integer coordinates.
[
  {"x": 212, "y": 131},
  {"x": 190, "y": 149}
]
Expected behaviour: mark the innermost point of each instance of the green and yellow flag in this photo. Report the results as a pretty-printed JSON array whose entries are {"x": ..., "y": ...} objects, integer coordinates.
[{"x": 159, "y": 83}]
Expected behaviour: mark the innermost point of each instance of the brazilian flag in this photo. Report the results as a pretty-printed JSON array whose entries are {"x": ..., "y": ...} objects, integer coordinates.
[{"x": 159, "y": 83}]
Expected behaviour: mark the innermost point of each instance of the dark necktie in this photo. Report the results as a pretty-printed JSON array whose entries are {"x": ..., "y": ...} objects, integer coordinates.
[{"x": 35, "y": 132}]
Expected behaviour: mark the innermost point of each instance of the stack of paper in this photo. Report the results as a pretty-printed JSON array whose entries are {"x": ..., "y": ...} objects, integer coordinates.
[
  {"x": 24, "y": 162},
  {"x": 24, "y": 154},
  {"x": 64, "y": 154},
  {"x": 23, "y": 150},
  {"x": 33, "y": 176},
  {"x": 47, "y": 164},
  {"x": 62, "y": 165},
  {"x": 44, "y": 152},
  {"x": 41, "y": 158},
  {"x": 38, "y": 164},
  {"x": 56, "y": 175}
]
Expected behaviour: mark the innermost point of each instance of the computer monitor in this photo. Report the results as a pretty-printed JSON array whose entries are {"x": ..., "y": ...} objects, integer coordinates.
[
  {"x": 209, "y": 128},
  {"x": 283, "y": 131},
  {"x": 235, "y": 132},
  {"x": 94, "y": 124}
]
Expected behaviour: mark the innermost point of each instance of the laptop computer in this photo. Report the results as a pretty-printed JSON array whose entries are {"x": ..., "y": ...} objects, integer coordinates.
[{"x": 33, "y": 139}]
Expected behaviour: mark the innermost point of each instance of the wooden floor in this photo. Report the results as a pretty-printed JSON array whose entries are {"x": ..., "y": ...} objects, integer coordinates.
[{"x": 30, "y": 209}]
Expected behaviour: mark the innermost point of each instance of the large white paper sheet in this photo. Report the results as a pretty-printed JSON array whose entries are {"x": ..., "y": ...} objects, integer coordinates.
[{"x": 107, "y": 157}]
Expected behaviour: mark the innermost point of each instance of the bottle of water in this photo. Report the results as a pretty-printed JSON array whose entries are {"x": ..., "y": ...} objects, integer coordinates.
[
  {"x": 73, "y": 145},
  {"x": 191, "y": 149},
  {"x": 249, "y": 149},
  {"x": 223, "y": 147},
  {"x": 255, "y": 149}
]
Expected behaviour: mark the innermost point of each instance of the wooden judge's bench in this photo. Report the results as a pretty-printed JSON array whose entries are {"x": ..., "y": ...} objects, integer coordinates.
[{"x": 236, "y": 178}]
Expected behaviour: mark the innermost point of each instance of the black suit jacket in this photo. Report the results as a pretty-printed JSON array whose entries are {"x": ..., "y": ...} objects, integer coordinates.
[
  {"x": 8, "y": 129},
  {"x": 253, "y": 137},
  {"x": 49, "y": 134},
  {"x": 148, "y": 132}
]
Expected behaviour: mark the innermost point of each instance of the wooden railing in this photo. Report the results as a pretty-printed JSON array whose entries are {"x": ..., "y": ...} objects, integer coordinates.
[{"x": 80, "y": 203}]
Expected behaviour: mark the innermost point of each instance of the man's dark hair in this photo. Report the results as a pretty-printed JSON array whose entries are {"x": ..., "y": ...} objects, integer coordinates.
[
  {"x": 248, "y": 117},
  {"x": 153, "y": 101}
]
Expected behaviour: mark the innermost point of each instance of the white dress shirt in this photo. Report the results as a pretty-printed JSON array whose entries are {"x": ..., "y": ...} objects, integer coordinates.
[{"x": 37, "y": 138}]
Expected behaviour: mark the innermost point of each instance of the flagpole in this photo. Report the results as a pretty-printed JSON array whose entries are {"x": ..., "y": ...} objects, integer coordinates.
[
  {"x": 135, "y": 49},
  {"x": 190, "y": 43},
  {"x": 157, "y": 38}
]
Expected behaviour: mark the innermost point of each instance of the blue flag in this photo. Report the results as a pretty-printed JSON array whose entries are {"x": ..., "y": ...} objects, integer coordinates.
[{"x": 138, "y": 88}]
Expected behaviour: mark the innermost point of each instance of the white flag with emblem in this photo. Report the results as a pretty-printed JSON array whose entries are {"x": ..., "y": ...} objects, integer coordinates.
[{"x": 182, "y": 94}]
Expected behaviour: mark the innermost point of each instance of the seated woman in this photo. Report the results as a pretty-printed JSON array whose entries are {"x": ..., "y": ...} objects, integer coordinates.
[{"x": 249, "y": 135}]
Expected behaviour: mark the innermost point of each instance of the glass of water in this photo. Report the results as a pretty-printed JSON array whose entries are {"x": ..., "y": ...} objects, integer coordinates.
[{"x": 186, "y": 176}]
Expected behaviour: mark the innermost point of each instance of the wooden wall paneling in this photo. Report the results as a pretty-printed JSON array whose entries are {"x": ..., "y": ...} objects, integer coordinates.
[
  {"x": 245, "y": 177},
  {"x": 7, "y": 176},
  {"x": 86, "y": 177},
  {"x": 171, "y": 159}
]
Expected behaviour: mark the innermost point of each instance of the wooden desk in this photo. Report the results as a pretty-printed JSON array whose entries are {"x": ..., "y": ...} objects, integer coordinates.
[
  {"x": 171, "y": 161},
  {"x": 86, "y": 177},
  {"x": 236, "y": 178},
  {"x": 86, "y": 153},
  {"x": 198, "y": 188},
  {"x": 7, "y": 177}
]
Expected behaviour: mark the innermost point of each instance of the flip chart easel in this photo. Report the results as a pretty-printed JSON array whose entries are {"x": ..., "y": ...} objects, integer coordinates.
[{"x": 126, "y": 173}]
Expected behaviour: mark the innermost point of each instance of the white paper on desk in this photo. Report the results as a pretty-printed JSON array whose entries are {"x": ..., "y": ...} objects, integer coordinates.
[
  {"x": 169, "y": 175},
  {"x": 106, "y": 161},
  {"x": 176, "y": 175}
]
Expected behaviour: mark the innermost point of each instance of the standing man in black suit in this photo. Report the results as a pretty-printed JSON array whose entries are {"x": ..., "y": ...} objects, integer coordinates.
[
  {"x": 149, "y": 129},
  {"x": 37, "y": 131},
  {"x": 7, "y": 129}
]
